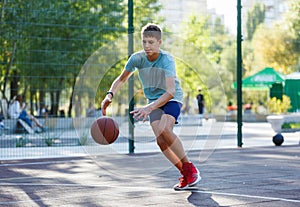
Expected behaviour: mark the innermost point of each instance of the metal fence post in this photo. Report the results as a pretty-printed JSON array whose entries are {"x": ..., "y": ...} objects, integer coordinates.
[
  {"x": 239, "y": 73},
  {"x": 131, "y": 79}
]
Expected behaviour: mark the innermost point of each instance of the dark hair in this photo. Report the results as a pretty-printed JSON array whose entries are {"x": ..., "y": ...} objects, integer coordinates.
[
  {"x": 19, "y": 98},
  {"x": 151, "y": 30}
]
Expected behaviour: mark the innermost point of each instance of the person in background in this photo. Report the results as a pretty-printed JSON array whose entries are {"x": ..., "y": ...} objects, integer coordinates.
[
  {"x": 16, "y": 110},
  {"x": 200, "y": 102},
  {"x": 231, "y": 108},
  {"x": 248, "y": 108},
  {"x": 2, "y": 126},
  {"x": 45, "y": 111}
]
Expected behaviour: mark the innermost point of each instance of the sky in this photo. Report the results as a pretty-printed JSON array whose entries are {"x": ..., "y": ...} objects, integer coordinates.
[{"x": 226, "y": 8}]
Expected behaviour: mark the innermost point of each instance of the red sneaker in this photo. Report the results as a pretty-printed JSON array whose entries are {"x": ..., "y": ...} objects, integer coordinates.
[
  {"x": 191, "y": 176},
  {"x": 181, "y": 185},
  {"x": 191, "y": 173}
]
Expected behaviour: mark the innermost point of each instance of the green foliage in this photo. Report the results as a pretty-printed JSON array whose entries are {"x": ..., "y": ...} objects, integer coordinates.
[
  {"x": 277, "y": 106},
  {"x": 255, "y": 17},
  {"x": 197, "y": 32},
  {"x": 273, "y": 47},
  {"x": 53, "y": 39},
  {"x": 45, "y": 43},
  {"x": 146, "y": 11},
  {"x": 212, "y": 50},
  {"x": 293, "y": 22},
  {"x": 208, "y": 36},
  {"x": 291, "y": 125}
]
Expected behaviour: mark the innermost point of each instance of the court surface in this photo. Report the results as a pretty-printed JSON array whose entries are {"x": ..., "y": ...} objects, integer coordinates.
[{"x": 258, "y": 176}]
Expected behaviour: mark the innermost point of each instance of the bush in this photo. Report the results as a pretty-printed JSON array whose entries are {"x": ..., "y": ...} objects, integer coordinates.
[
  {"x": 291, "y": 125},
  {"x": 277, "y": 106}
]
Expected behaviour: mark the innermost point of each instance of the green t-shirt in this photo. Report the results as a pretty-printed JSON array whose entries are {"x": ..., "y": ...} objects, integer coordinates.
[{"x": 153, "y": 74}]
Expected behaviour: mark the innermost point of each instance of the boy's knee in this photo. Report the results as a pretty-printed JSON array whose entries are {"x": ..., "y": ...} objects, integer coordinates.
[
  {"x": 166, "y": 132},
  {"x": 165, "y": 136},
  {"x": 160, "y": 141}
]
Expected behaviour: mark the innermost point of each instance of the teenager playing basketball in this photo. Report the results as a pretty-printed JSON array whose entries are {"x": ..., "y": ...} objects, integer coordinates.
[{"x": 162, "y": 89}]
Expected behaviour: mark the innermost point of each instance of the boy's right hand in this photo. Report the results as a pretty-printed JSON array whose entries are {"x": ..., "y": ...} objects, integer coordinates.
[{"x": 105, "y": 103}]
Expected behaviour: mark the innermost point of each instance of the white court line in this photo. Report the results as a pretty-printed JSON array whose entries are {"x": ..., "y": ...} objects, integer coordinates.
[
  {"x": 247, "y": 196},
  {"x": 147, "y": 188}
]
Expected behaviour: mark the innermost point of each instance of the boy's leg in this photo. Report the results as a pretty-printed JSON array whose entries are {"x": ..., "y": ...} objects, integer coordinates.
[
  {"x": 168, "y": 141},
  {"x": 167, "y": 146},
  {"x": 173, "y": 149}
]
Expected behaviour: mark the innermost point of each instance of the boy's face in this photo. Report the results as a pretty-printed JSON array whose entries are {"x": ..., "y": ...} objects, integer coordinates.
[{"x": 151, "y": 45}]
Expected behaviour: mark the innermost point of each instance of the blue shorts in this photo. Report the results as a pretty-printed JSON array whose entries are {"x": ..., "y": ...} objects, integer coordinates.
[
  {"x": 23, "y": 116},
  {"x": 172, "y": 108}
]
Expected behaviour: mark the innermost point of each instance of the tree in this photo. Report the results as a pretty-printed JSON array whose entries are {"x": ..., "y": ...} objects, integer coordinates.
[
  {"x": 255, "y": 17},
  {"x": 146, "y": 11},
  {"x": 273, "y": 47},
  {"x": 292, "y": 17},
  {"x": 203, "y": 47},
  {"x": 276, "y": 46},
  {"x": 53, "y": 39}
]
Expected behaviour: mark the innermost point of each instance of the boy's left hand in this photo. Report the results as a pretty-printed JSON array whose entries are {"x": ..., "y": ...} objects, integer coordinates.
[{"x": 141, "y": 113}]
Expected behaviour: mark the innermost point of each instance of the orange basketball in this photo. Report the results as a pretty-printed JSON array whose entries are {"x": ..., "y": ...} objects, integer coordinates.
[{"x": 105, "y": 130}]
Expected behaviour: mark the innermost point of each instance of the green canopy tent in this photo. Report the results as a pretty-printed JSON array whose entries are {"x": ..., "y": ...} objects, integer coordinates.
[{"x": 262, "y": 80}]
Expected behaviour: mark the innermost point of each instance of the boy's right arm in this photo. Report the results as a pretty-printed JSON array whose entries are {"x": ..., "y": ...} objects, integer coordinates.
[{"x": 116, "y": 85}]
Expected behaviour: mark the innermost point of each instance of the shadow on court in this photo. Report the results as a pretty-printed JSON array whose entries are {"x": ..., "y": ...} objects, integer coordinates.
[{"x": 199, "y": 199}]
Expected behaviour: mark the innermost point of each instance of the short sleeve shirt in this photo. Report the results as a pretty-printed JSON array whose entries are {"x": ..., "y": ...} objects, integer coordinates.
[
  {"x": 14, "y": 110},
  {"x": 153, "y": 74}
]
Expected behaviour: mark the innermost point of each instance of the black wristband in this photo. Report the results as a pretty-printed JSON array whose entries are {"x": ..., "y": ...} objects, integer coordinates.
[{"x": 111, "y": 93}]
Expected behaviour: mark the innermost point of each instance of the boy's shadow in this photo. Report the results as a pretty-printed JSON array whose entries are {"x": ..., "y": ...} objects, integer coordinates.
[{"x": 202, "y": 199}]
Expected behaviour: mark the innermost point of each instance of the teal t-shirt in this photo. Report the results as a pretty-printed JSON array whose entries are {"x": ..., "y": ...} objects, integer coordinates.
[{"x": 153, "y": 74}]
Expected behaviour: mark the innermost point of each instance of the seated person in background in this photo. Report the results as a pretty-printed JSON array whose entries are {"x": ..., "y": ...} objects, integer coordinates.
[
  {"x": 2, "y": 126},
  {"x": 16, "y": 110},
  {"x": 44, "y": 111},
  {"x": 231, "y": 108},
  {"x": 248, "y": 108}
]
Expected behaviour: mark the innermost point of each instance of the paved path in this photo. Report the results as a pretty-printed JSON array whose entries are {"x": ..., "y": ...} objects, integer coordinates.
[{"x": 209, "y": 136}]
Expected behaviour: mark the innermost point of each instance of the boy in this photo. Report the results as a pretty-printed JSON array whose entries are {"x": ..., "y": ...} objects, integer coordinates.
[{"x": 158, "y": 76}]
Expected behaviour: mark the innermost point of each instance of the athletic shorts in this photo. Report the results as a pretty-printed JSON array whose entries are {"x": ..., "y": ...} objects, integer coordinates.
[{"x": 172, "y": 108}]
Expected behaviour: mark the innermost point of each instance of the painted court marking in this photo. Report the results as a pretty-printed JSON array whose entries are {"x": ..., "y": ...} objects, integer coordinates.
[
  {"x": 147, "y": 189},
  {"x": 248, "y": 196}
]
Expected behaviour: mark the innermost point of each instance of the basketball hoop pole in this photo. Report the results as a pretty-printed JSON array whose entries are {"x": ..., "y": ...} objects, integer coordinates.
[{"x": 131, "y": 79}]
